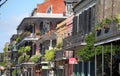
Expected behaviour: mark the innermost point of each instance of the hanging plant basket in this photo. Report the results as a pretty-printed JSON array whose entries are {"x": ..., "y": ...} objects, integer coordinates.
[
  {"x": 98, "y": 32},
  {"x": 106, "y": 26}
]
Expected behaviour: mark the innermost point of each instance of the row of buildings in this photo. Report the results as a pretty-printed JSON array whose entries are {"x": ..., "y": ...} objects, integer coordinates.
[{"x": 68, "y": 38}]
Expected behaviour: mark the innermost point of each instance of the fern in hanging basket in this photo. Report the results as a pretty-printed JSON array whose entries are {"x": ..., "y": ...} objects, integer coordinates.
[
  {"x": 106, "y": 23},
  {"x": 98, "y": 27},
  {"x": 49, "y": 54},
  {"x": 35, "y": 58}
]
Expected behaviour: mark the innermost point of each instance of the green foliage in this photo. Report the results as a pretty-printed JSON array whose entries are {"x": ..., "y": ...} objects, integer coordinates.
[
  {"x": 49, "y": 54},
  {"x": 28, "y": 33},
  {"x": 24, "y": 49},
  {"x": 98, "y": 26},
  {"x": 20, "y": 59},
  {"x": 35, "y": 58},
  {"x": 117, "y": 19},
  {"x": 106, "y": 21},
  {"x": 59, "y": 45},
  {"x": 3, "y": 63},
  {"x": 27, "y": 48},
  {"x": 14, "y": 72},
  {"x": 27, "y": 57},
  {"x": 21, "y": 50},
  {"x": 101, "y": 24},
  {"x": 5, "y": 49},
  {"x": 38, "y": 33},
  {"x": 18, "y": 38},
  {"x": 88, "y": 51},
  {"x": 23, "y": 56}
]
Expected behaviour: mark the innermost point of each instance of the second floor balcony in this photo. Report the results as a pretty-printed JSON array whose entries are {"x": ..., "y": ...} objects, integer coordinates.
[
  {"x": 73, "y": 41},
  {"x": 108, "y": 33},
  {"x": 25, "y": 36}
]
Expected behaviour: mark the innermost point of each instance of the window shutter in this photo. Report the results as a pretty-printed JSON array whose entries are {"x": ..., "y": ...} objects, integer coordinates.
[{"x": 74, "y": 26}]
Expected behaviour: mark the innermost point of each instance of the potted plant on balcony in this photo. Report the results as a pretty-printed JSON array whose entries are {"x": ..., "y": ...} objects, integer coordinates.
[
  {"x": 49, "y": 54},
  {"x": 98, "y": 28},
  {"x": 59, "y": 45},
  {"x": 28, "y": 33},
  {"x": 38, "y": 33},
  {"x": 23, "y": 54},
  {"x": 18, "y": 38},
  {"x": 106, "y": 23},
  {"x": 35, "y": 58}
]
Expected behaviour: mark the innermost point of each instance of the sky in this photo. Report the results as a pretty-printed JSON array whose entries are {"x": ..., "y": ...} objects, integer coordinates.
[{"x": 11, "y": 14}]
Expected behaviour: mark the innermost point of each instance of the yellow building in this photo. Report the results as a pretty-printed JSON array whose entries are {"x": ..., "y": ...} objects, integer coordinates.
[{"x": 61, "y": 31}]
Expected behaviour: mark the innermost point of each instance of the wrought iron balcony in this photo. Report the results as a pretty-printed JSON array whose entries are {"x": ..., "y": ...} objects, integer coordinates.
[
  {"x": 25, "y": 37},
  {"x": 59, "y": 55},
  {"x": 73, "y": 41},
  {"x": 111, "y": 32}
]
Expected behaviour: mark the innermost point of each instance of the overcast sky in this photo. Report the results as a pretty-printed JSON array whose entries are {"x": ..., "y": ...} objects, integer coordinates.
[{"x": 11, "y": 14}]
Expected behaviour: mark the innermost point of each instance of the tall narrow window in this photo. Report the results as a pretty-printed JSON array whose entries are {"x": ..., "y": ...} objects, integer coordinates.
[
  {"x": 69, "y": 7},
  {"x": 49, "y": 9}
]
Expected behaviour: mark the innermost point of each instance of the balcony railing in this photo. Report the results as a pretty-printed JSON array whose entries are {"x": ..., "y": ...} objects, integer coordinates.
[
  {"x": 73, "y": 41},
  {"x": 59, "y": 55},
  {"x": 26, "y": 36},
  {"x": 105, "y": 33}
]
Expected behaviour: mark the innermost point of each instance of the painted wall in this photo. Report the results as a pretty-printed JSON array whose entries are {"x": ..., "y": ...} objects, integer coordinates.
[
  {"x": 105, "y": 8},
  {"x": 69, "y": 25}
]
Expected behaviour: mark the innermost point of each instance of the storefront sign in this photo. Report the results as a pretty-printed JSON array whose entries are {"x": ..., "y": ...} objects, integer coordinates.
[
  {"x": 73, "y": 61},
  {"x": 45, "y": 67}
]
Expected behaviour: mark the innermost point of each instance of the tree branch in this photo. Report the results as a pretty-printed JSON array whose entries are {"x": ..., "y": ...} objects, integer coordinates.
[{"x": 1, "y": 3}]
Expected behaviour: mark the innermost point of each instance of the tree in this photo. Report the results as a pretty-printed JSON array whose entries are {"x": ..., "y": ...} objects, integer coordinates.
[{"x": 2, "y": 2}]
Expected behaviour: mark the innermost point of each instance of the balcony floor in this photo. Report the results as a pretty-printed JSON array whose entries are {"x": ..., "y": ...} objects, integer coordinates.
[{"x": 116, "y": 38}]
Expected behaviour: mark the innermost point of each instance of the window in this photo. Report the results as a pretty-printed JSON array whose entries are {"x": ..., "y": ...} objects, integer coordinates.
[
  {"x": 49, "y": 9},
  {"x": 69, "y": 7}
]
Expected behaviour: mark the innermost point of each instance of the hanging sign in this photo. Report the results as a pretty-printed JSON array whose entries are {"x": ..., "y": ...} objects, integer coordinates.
[{"x": 73, "y": 61}]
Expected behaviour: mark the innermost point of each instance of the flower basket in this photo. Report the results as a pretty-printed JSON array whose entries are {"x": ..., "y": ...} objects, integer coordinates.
[
  {"x": 106, "y": 26},
  {"x": 98, "y": 32}
]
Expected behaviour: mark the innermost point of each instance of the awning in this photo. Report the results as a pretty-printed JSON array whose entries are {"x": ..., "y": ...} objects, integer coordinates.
[{"x": 73, "y": 61}]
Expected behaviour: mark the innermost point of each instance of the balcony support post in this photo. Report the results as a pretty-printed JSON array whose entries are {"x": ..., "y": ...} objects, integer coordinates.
[
  {"x": 102, "y": 60},
  {"x": 111, "y": 61},
  {"x": 95, "y": 63}
]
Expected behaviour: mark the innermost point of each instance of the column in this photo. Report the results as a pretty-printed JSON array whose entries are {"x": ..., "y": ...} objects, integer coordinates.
[
  {"x": 50, "y": 47},
  {"x": 88, "y": 68},
  {"x": 95, "y": 63},
  {"x": 82, "y": 68},
  {"x": 111, "y": 61},
  {"x": 102, "y": 60}
]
